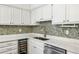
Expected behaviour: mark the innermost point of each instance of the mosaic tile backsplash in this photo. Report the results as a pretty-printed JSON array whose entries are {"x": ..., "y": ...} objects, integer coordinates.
[
  {"x": 14, "y": 29},
  {"x": 51, "y": 30},
  {"x": 57, "y": 31}
]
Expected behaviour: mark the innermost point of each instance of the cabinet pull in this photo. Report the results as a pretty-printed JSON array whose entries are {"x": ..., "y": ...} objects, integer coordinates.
[
  {"x": 41, "y": 18},
  {"x": 64, "y": 20},
  {"x": 10, "y": 22},
  {"x": 51, "y": 17},
  {"x": 67, "y": 20},
  {"x": 34, "y": 47}
]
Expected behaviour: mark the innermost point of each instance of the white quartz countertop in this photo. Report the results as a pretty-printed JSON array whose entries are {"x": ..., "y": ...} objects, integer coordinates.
[
  {"x": 71, "y": 45},
  {"x": 13, "y": 37},
  {"x": 66, "y": 43}
]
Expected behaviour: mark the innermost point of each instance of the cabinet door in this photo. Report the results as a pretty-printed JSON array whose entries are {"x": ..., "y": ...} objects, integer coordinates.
[
  {"x": 25, "y": 17},
  {"x": 42, "y": 13},
  {"x": 58, "y": 13},
  {"x": 33, "y": 17},
  {"x": 5, "y": 15},
  {"x": 11, "y": 52},
  {"x": 34, "y": 48},
  {"x": 36, "y": 15},
  {"x": 30, "y": 47},
  {"x": 46, "y": 11},
  {"x": 16, "y": 16},
  {"x": 39, "y": 14},
  {"x": 73, "y": 12}
]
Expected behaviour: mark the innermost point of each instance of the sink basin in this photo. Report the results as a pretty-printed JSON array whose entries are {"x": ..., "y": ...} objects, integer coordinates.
[{"x": 41, "y": 38}]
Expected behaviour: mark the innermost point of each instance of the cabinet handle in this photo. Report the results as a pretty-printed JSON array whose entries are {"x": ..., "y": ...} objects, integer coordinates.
[
  {"x": 22, "y": 23},
  {"x": 64, "y": 20},
  {"x": 67, "y": 20},
  {"x": 51, "y": 17},
  {"x": 41, "y": 18},
  {"x": 11, "y": 22},
  {"x": 34, "y": 47}
]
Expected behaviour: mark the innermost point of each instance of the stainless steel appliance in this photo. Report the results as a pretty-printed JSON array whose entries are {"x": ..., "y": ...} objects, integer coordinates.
[{"x": 50, "y": 49}]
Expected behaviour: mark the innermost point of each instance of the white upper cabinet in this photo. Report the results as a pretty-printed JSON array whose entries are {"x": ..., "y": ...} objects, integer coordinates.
[
  {"x": 58, "y": 14},
  {"x": 33, "y": 17},
  {"x": 20, "y": 17},
  {"x": 73, "y": 12},
  {"x": 42, "y": 13},
  {"x": 68, "y": 14},
  {"x": 5, "y": 15},
  {"x": 39, "y": 14},
  {"x": 46, "y": 12},
  {"x": 16, "y": 16},
  {"x": 25, "y": 20},
  {"x": 36, "y": 15}
]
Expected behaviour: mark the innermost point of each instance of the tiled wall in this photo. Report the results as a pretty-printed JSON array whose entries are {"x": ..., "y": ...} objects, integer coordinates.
[
  {"x": 57, "y": 31},
  {"x": 14, "y": 29},
  {"x": 51, "y": 30}
]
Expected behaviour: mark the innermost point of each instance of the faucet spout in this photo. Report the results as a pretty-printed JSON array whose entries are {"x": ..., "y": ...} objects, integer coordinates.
[
  {"x": 44, "y": 29},
  {"x": 45, "y": 35}
]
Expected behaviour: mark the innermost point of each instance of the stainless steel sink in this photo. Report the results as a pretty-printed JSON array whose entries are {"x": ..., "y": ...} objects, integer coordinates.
[{"x": 41, "y": 38}]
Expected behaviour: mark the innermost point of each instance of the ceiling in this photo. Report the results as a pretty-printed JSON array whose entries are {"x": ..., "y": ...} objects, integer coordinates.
[
  {"x": 26, "y": 6},
  {"x": 23, "y": 6}
]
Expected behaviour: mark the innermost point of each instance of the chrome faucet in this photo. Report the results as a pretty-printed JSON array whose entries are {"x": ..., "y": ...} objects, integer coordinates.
[{"x": 44, "y": 29}]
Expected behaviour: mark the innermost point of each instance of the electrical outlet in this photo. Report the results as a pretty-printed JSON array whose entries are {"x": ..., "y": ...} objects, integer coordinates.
[
  {"x": 20, "y": 30},
  {"x": 67, "y": 32}
]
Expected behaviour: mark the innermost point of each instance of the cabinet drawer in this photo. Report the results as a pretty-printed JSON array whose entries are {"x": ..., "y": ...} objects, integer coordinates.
[
  {"x": 37, "y": 43},
  {"x": 6, "y": 49},
  {"x": 11, "y": 52},
  {"x": 6, "y": 44}
]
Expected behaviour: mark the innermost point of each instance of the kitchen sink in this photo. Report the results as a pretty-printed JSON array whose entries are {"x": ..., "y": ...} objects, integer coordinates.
[{"x": 41, "y": 38}]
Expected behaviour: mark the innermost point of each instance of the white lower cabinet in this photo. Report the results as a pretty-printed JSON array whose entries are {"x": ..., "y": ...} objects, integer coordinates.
[
  {"x": 34, "y": 47},
  {"x": 7, "y": 44},
  {"x": 69, "y": 52},
  {"x": 11, "y": 52},
  {"x": 36, "y": 50},
  {"x": 10, "y": 47}
]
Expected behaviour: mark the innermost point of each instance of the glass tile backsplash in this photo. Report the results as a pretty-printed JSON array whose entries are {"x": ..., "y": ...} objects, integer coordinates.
[
  {"x": 57, "y": 31},
  {"x": 51, "y": 30},
  {"x": 5, "y": 29}
]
